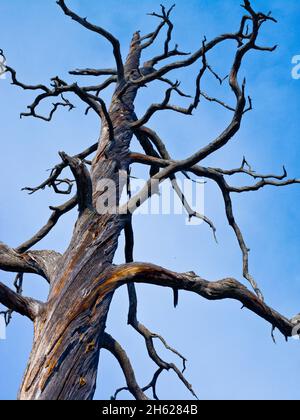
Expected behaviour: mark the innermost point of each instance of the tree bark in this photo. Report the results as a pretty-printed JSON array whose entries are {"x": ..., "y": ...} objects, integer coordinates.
[{"x": 68, "y": 334}]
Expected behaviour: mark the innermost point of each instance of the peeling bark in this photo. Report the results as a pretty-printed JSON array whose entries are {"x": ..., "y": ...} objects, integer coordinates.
[{"x": 68, "y": 335}]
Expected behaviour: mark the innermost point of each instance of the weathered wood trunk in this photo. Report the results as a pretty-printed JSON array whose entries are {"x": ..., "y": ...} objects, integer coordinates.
[{"x": 68, "y": 334}]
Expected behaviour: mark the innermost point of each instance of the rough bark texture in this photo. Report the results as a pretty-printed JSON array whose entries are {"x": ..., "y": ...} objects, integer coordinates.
[{"x": 70, "y": 328}]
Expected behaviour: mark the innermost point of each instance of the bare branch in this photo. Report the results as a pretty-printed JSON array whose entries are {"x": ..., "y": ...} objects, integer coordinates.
[
  {"x": 16, "y": 82},
  {"x": 18, "y": 284},
  {"x": 232, "y": 222},
  {"x": 99, "y": 88},
  {"x": 143, "y": 134},
  {"x": 28, "y": 307},
  {"x": 191, "y": 213},
  {"x": 57, "y": 170},
  {"x": 110, "y": 344},
  {"x": 156, "y": 140},
  {"x": 144, "y": 331},
  {"x": 151, "y": 37},
  {"x": 165, "y": 17},
  {"x": 149, "y": 340},
  {"x": 83, "y": 181},
  {"x": 160, "y": 107},
  {"x": 242, "y": 170},
  {"x": 218, "y": 101},
  {"x": 153, "y": 383},
  {"x": 60, "y": 87},
  {"x": 224, "y": 289},
  {"x": 261, "y": 184},
  {"x": 230, "y": 130},
  {"x": 43, "y": 232},
  {"x": 94, "y": 72},
  {"x": 175, "y": 87},
  {"x": 265, "y": 179},
  {"x": 155, "y": 60},
  {"x": 99, "y": 30},
  {"x": 257, "y": 18},
  {"x": 148, "y": 149},
  {"x": 68, "y": 182},
  {"x": 42, "y": 263},
  {"x": 32, "y": 110},
  {"x": 216, "y": 176}
]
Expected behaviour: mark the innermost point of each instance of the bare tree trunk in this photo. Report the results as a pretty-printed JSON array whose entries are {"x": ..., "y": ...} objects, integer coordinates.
[{"x": 69, "y": 332}]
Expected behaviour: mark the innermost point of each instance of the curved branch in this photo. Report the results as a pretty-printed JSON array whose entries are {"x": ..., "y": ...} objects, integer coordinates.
[
  {"x": 228, "y": 288},
  {"x": 57, "y": 170},
  {"x": 164, "y": 105},
  {"x": 28, "y": 307},
  {"x": 102, "y": 86},
  {"x": 144, "y": 135},
  {"x": 249, "y": 171},
  {"x": 257, "y": 18},
  {"x": 16, "y": 82},
  {"x": 36, "y": 262},
  {"x": 32, "y": 109},
  {"x": 83, "y": 181},
  {"x": 222, "y": 139},
  {"x": 263, "y": 183},
  {"x": 155, "y": 60},
  {"x": 175, "y": 87},
  {"x": 165, "y": 17},
  {"x": 43, "y": 232},
  {"x": 144, "y": 331},
  {"x": 110, "y": 344},
  {"x": 216, "y": 176},
  {"x": 101, "y": 31}
]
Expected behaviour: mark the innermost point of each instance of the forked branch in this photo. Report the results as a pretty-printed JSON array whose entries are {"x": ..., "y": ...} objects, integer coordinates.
[
  {"x": 110, "y": 344},
  {"x": 228, "y": 288},
  {"x": 100, "y": 31},
  {"x": 35, "y": 262},
  {"x": 57, "y": 170},
  {"x": 147, "y": 335},
  {"x": 57, "y": 213}
]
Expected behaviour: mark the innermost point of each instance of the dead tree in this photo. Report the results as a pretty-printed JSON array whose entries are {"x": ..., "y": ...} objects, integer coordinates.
[{"x": 70, "y": 328}]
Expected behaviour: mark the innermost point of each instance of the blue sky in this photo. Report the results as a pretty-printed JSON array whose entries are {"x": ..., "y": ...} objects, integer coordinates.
[{"x": 230, "y": 352}]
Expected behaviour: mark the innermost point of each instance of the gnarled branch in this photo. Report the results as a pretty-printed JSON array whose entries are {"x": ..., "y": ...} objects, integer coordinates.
[
  {"x": 165, "y": 20},
  {"x": 101, "y": 31},
  {"x": 257, "y": 19},
  {"x": 28, "y": 307},
  {"x": 57, "y": 213},
  {"x": 36, "y": 262},
  {"x": 141, "y": 329},
  {"x": 110, "y": 344},
  {"x": 57, "y": 170},
  {"x": 216, "y": 176},
  {"x": 94, "y": 72},
  {"x": 228, "y": 288},
  {"x": 83, "y": 181}
]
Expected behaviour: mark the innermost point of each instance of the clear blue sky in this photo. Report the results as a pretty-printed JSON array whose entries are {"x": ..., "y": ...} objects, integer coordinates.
[{"x": 231, "y": 354}]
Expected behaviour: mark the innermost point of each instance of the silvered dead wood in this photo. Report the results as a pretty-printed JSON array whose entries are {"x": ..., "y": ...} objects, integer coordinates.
[{"x": 70, "y": 328}]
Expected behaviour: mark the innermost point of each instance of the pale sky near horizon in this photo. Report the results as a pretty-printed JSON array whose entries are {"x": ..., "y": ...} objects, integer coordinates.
[{"x": 230, "y": 352}]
